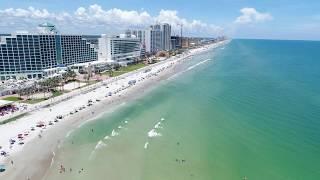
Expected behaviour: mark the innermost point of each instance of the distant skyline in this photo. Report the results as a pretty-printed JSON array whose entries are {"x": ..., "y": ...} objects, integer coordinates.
[{"x": 281, "y": 19}]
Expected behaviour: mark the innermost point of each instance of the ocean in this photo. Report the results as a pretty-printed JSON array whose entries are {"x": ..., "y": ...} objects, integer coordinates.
[{"x": 249, "y": 110}]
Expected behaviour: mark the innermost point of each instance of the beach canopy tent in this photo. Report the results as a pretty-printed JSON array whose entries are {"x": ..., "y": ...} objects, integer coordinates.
[
  {"x": 2, "y": 168},
  {"x": 4, "y": 103}
]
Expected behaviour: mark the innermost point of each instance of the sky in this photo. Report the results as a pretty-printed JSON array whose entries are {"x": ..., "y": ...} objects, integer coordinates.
[{"x": 251, "y": 19}]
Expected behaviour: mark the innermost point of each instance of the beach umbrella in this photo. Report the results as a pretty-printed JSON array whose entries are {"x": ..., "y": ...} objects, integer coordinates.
[{"x": 40, "y": 123}]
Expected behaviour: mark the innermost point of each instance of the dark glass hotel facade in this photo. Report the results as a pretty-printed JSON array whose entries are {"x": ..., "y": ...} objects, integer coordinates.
[{"x": 27, "y": 55}]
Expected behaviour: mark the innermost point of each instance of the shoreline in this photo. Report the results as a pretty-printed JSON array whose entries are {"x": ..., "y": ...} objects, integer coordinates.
[{"x": 33, "y": 152}]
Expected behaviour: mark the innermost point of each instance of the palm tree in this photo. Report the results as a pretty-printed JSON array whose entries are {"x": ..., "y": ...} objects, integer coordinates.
[
  {"x": 65, "y": 77},
  {"x": 72, "y": 74},
  {"x": 46, "y": 84},
  {"x": 111, "y": 72},
  {"x": 20, "y": 91}
]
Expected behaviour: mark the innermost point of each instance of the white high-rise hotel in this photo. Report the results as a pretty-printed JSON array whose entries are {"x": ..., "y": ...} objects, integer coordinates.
[
  {"x": 119, "y": 49},
  {"x": 155, "y": 38}
]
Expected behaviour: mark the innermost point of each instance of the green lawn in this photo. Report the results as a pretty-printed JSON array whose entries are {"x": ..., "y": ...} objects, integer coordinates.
[
  {"x": 126, "y": 69},
  {"x": 57, "y": 93},
  {"x": 12, "y": 98},
  {"x": 132, "y": 67},
  {"x": 34, "y": 101},
  {"x": 117, "y": 73}
]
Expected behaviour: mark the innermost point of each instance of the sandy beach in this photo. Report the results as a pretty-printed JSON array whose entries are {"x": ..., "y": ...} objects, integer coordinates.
[{"x": 31, "y": 159}]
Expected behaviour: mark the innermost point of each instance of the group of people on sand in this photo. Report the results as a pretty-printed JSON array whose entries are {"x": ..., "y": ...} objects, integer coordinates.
[
  {"x": 62, "y": 169},
  {"x": 4, "y": 110},
  {"x": 180, "y": 160}
]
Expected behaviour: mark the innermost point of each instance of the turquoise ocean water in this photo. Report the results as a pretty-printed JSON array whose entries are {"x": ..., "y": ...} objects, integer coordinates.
[{"x": 252, "y": 108}]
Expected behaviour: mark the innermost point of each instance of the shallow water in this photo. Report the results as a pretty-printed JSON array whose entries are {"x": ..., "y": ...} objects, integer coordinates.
[{"x": 250, "y": 109}]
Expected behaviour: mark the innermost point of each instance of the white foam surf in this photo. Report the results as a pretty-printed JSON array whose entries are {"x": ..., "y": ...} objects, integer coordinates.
[
  {"x": 191, "y": 67},
  {"x": 153, "y": 133},
  {"x": 100, "y": 145},
  {"x": 114, "y": 133},
  {"x": 68, "y": 134},
  {"x": 158, "y": 125},
  {"x": 146, "y": 145}
]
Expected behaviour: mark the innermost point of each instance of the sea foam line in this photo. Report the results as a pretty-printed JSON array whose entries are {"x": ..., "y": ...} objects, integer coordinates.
[
  {"x": 191, "y": 67},
  {"x": 91, "y": 155},
  {"x": 69, "y": 133},
  {"x": 52, "y": 159},
  {"x": 100, "y": 145},
  {"x": 188, "y": 69}
]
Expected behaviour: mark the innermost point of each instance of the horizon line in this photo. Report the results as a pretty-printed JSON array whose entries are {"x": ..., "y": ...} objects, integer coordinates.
[{"x": 271, "y": 39}]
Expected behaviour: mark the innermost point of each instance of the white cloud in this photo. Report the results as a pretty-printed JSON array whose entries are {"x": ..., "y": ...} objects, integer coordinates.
[
  {"x": 95, "y": 14},
  {"x": 193, "y": 27},
  {"x": 89, "y": 18},
  {"x": 26, "y": 13},
  {"x": 251, "y": 15}
]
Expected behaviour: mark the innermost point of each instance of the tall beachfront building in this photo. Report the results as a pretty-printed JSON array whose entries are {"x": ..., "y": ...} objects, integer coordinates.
[
  {"x": 141, "y": 35},
  {"x": 153, "y": 39},
  {"x": 30, "y": 55},
  {"x": 166, "y": 33},
  {"x": 160, "y": 38},
  {"x": 119, "y": 49}
]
